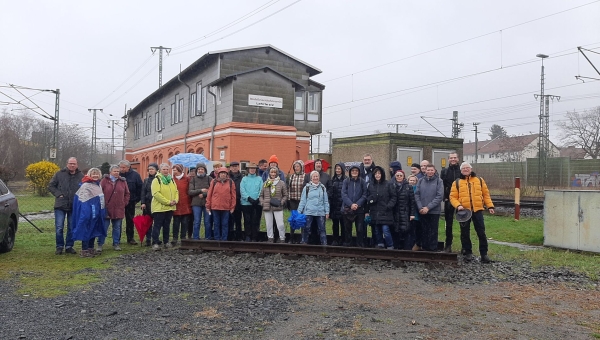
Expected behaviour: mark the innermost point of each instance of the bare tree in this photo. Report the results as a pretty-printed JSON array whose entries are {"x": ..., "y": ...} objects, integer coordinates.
[{"x": 582, "y": 130}]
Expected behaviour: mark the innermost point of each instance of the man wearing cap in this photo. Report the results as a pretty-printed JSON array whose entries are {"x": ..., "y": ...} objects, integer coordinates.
[
  {"x": 273, "y": 162},
  {"x": 415, "y": 169},
  {"x": 250, "y": 189},
  {"x": 470, "y": 192},
  {"x": 235, "y": 222}
]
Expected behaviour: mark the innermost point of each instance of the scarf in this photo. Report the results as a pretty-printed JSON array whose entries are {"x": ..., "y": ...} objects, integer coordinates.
[
  {"x": 164, "y": 179},
  {"x": 113, "y": 178},
  {"x": 179, "y": 177}
]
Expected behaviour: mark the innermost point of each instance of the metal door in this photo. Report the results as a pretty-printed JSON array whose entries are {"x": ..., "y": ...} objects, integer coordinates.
[
  {"x": 440, "y": 158},
  {"x": 407, "y": 156}
]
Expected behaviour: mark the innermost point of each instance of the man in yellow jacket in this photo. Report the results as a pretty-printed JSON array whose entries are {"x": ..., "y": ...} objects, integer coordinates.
[{"x": 470, "y": 192}]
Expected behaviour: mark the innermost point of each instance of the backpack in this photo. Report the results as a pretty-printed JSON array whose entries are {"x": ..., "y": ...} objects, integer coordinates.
[{"x": 306, "y": 188}]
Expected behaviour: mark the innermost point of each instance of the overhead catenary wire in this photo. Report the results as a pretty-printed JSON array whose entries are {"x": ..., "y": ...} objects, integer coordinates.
[
  {"x": 459, "y": 42},
  {"x": 231, "y": 24}
]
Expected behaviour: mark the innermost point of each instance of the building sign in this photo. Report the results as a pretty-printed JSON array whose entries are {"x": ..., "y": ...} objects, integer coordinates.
[
  {"x": 222, "y": 154},
  {"x": 256, "y": 100}
]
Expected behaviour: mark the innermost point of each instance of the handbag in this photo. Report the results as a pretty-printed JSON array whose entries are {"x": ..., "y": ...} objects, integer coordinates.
[{"x": 275, "y": 202}]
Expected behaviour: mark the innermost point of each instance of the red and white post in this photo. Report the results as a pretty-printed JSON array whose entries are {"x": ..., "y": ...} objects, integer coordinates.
[{"x": 517, "y": 198}]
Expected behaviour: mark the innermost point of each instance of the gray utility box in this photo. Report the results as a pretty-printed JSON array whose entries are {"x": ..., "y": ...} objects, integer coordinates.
[{"x": 572, "y": 219}]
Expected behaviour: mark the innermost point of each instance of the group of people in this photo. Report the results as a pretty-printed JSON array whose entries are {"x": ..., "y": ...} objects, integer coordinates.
[{"x": 402, "y": 211}]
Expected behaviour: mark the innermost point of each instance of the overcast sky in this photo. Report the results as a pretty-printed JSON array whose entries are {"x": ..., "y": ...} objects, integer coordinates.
[{"x": 383, "y": 62}]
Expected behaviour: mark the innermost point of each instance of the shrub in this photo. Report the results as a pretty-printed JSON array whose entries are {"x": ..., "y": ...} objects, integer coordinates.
[{"x": 39, "y": 175}]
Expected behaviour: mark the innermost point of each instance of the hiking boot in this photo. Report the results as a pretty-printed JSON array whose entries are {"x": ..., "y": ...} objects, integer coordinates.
[
  {"x": 468, "y": 257},
  {"x": 70, "y": 250},
  {"x": 485, "y": 259},
  {"x": 168, "y": 245},
  {"x": 132, "y": 242},
  {"x": 92, "y": 251},
  {"x": 282, "y": 240},
  {"x": 271, "y": 240},
  {"x": 99, "y": 250},
  {"x": 416, "y": 248},
  {"x": 117, "y": 247},
  {"x": 59, "y": 251},
  {"x": 148, "y": 244},
  {"x": 335, "y": 243},
  {"x": 247, "y": 238},
  {"x": 448, "y": 248},
  {"x": 156, "y": 247}
]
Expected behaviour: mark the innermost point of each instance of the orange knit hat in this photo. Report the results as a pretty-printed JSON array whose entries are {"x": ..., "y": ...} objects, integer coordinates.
[{"x": 273, "y": 159}]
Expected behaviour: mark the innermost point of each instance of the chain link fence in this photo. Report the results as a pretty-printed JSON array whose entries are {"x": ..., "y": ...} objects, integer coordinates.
[{"x": 560, "y": 173}]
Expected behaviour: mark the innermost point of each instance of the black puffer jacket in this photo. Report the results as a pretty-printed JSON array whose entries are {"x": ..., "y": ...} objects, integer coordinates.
[
  {"x": 147, "y": 193},
  {"x": 334, "y": 192},
  {"x": 381, "y": 200},
  {"x": 237, "y": 179},
  {"x": 405, "y": 206},
  {"x": 63, "y": 186},
  {"x": 449, "y": 175}
]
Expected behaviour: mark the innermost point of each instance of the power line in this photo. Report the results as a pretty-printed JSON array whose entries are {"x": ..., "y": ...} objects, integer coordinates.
[
  {"x": 233, "y": 23},
  {"x": 241, "y": 29},
  {"x": 459, "y": 42},
  {"x": 431, "y": 85},
  {"x": 454, "y": 106}
]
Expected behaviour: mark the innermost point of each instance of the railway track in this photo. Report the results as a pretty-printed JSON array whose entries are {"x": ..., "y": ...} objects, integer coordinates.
[
  {"x": 296, "y": 250},
  {"x": 510, "y": 203}
]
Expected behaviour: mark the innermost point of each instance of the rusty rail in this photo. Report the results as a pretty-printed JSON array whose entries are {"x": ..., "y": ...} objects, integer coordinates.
[{"x": 323, "y": 251}]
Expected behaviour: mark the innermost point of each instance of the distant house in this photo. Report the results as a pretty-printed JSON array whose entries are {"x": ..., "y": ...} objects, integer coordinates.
[
  {"x": 241, "y": 104},
  {"x": 573, "y": 152},
  {"x": 506, "y": 149}
]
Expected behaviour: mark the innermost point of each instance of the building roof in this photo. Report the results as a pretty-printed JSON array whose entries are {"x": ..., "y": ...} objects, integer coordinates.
[
  {"x": 499, "y": 145},
  {"x": 317, "y": 71},
  {"x": 264, "y": 68},
  {"x": 204, "y": 59},
  {"x": 572, "y": 152}
]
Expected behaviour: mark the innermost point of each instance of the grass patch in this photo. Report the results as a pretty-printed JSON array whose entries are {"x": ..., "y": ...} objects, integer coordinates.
[
  {"x": 31, "y": 203},
  {"x": 40, "y": 273}
]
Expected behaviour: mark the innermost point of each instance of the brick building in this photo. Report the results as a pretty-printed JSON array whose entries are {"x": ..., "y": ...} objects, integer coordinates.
[{"x": 241, "y": 104}]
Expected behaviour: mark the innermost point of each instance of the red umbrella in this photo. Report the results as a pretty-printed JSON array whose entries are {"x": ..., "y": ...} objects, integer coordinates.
[
  {"x": 310, "y": 165},
  {"x": 142, "y": 223}
]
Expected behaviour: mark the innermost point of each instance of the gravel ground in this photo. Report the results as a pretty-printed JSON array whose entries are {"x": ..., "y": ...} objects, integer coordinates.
[{"x": 182, "y": 295}]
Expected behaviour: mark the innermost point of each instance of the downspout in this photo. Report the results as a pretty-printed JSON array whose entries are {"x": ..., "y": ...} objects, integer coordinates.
[
  {"x": 187, "y": 131},
  {"x": 212, "y": 131}
]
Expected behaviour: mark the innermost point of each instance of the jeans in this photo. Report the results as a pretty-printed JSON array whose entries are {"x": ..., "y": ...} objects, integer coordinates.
[
  {"x": 359, "y": 221},
  {"x": 129, "y": 227},
  {"x": 161, "y": 220},
  {"x": 465, "y": 234},
  {"x": 383, "y": 233},
  {"x": 180, "y": 222},
  {"x": 198, "y": 212},
  {"x": 272, "y": 217},
  {"x": 59, "y": 222},
  {"x": 449, "y": 217},
  {"x": 429, "y": 228},
  {"x": 116, "y": 231},
  {"x": 221, "y": 224},
  {"x": 320, "y": 225},
  {"x": 252, "y": 215}
]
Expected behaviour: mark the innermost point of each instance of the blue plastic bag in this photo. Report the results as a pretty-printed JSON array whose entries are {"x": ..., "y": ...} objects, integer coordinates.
[{"x": 297, "y": 220}]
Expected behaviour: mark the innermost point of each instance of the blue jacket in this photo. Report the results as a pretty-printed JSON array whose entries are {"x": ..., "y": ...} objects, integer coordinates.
[
  {"x": 315, "y": 203},
  {"x": 354, "y": 191},
  {"x": 88, "y": 212},
  {"x": 430, "y": 193},
  {"x": 251, "y": 186}
]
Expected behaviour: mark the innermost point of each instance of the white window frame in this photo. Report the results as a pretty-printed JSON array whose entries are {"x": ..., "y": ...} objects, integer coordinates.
[
  {"x": 193, "y": 104},
  {"x": 173, "y": 112},
  {"x": 180, "y": 110},
  {"x": 316, "y": 98},
  {"x": 203, "y": 99}
]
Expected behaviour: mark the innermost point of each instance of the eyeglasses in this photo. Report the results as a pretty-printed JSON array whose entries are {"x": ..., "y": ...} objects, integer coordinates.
[{"x": 399, "y": 175}]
